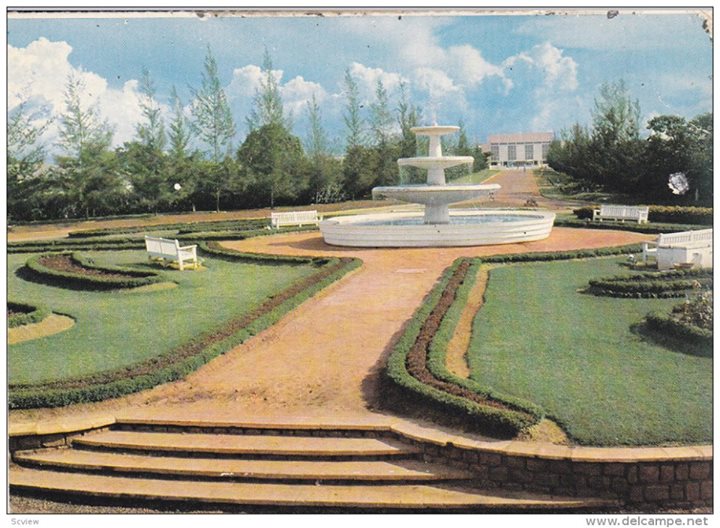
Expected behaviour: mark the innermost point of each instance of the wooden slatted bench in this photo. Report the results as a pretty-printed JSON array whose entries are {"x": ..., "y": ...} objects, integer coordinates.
[
  {"x": 165, "y": 249},
  {"x": 294, "y": 218},
  {"x": 622, "y": 213}
]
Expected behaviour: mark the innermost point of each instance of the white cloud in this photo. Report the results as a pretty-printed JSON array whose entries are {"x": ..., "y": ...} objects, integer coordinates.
[
  {"x": 367, "y": 78},
  {"x": 247, "y": 80},
  {"x": 297, "y": 92},
  {"x": 559, "y": 71},
  {"x": 469, "y": 67},
  {"x": 435, "y": 82},
  {"x": 38, "y": 73}
]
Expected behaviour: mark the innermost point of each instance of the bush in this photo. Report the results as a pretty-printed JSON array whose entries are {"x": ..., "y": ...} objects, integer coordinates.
[
  {"x": 697, "y": 311},
  {"x": 562, "y": 255},
  {"x": 109, "y": 278},
  {"x": 690, "y": 338},
  {"x": 497, "y": 418},
  {"x": 24, "y": 313},
  {"x": 656, "y": 285},
  {"x": 665, "y": 214},
  {"x": 216, "y": 250}
]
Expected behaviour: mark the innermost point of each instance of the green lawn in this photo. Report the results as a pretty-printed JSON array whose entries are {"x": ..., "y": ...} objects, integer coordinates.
[
  {"x": 117, "y": 329},
  {"x": 574, "y": 354}
]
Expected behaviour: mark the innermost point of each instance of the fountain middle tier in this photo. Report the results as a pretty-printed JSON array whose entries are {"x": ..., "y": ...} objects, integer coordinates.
[{"x": 435, "y": 198}]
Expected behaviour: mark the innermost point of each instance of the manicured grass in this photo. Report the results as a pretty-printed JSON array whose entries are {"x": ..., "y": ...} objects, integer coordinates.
[
  {"x": 575, "y": 355},
  {"x": 475, "y": 177},
  {"x": 117, "y": 329}
]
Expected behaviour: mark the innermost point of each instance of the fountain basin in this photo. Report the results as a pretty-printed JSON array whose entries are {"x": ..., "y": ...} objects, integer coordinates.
[
  {"x": 435, "y": 194},
  {"x": 467, "y": 227}
]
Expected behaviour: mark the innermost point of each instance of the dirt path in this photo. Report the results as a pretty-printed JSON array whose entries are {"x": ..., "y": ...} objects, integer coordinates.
[{"x": 322, "y": 359}]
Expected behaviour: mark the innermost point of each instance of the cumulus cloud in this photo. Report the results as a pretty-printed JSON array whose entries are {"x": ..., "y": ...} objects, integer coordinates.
[
  {"x": 39, "y": 72},
  {"x": 559, "y": 71},
  {"x": 367, "y": 78},
  {"x": 297, "y": 92}
]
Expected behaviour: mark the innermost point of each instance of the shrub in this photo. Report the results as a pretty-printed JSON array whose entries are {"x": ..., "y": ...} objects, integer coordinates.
[
  {"x": 23, "y": 313},
  {"x": 492, "y": 415},
  {"x": 650, "y": 229},
  {"x": 697, "y": 311},
  {"x": 665, "y": 214},
  {"x": 106, "y": 278},
  {"x": 691, "y": 339},
  {"x": 657, "y": 285},
  {"x": 216, "y": 250}
]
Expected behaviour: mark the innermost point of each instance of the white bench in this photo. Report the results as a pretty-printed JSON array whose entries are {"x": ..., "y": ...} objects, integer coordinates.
[
  {"x": 298, "y": 218},
  {"x": 163, "y": 248},
  {"x": 684, "y": 247},
  {"x": 622, "y": 213}
]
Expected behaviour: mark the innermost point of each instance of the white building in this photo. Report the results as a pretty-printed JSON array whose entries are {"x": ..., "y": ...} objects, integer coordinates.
[{"x": 513, "y": 150}]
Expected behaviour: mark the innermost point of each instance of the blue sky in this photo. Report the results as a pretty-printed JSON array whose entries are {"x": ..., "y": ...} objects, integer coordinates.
[{"x": 496, "y": 73}]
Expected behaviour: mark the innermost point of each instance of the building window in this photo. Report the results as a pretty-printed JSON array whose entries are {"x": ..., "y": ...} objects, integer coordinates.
[
  {"x": 545, "y": 150},
  {"x": 512, "y": 152},
  {"x": 495, "y": 152},
  {"x": 529, "y": 148}
]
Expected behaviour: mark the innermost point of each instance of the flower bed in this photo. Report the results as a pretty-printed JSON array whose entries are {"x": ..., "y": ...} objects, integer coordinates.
[{"x": 71, "y": 270}]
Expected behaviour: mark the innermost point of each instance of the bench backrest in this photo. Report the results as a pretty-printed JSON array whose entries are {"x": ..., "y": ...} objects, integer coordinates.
[
  {"x": 161, "y": 246},
  {"x": 685, "y": 237},
  {"x": 293, "y": 217},
  {"x": 624, "y": 211}
]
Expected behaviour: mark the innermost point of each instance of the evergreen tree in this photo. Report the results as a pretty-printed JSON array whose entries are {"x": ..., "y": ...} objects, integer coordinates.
[
  {"x": 180, "y": 131},
  {"x": 351, "y": 116},
  {"x": 267, "y": 105},
  {"x": 151, "y": 132},
  {"x": 380, "y": 116},
  {"x": 212, "y": 119}
]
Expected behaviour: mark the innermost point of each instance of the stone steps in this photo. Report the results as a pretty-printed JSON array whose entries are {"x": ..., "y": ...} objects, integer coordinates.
[
  {"x": 279, "y": 467},
  {"x": 191, "y": 444},
  {"x": 241, "y": 469},
  {"x": 233, "y": 494}
]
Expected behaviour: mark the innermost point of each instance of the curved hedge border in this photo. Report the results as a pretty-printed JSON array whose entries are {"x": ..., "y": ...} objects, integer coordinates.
[
  {"x": 695, "y": 340},
  {"x": 674, "y": 214},
  {"x": 562, "y": 255},
  {"x": 651, "y": 285},
  {"x": 648, "y": 229},
  {"x": 437, "y": 358},
  {"x": 216, "y": 250},
  {"x": 502, "y": 421},
  {"x": 27, "y": 313},
  {"x": 134, "y": 278},
  {"x": 183, "y": 360}
]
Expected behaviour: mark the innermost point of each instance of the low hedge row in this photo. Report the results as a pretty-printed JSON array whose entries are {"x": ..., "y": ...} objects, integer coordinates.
[
  {"x": 695, "y": 340},
  {"x": 180, "y": 227},
  {"x": 216, "y": 250},
  {"x": 505, "y": 422},
  {"x": 204, "y": 349},
  {"x": 527, "y": 413},
  {"x": 649, "y": 229},
  {"x": 117, "y": 278},
  {"x": 25, "y": 314},
  {"x": 75, "y": 245},
  {"x": 562, "y": 255},
  {"x": 674, "y": 214},
  {"x": 651, "y": 285}
]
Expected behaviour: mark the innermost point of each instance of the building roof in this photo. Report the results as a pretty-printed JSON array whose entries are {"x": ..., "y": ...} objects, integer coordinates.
[{"x": 529, "y": 137}]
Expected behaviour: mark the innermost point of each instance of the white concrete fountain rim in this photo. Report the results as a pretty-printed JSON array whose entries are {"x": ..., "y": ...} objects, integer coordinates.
[{"x": 368, "y": 230}]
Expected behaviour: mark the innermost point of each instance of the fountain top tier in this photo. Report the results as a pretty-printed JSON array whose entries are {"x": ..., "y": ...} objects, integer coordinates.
[{"x": 435, "y": 162}]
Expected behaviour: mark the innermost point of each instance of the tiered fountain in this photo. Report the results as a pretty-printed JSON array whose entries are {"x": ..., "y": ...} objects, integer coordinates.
[{"x": 437, "y": 226}]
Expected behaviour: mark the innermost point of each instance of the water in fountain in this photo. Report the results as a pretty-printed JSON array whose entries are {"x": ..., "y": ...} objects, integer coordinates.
[{"x": 437, "y": 226}]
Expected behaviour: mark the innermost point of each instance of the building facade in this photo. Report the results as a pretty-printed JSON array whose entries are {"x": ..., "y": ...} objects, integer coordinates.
[{"x": 518, "y": 150}]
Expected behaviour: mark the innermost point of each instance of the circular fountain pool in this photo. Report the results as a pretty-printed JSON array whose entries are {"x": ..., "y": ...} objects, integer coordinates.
[{"x": 467, "y": 227}]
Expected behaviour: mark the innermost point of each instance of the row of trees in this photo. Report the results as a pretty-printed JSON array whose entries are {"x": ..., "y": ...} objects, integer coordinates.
[
  {"x": 190, "y": 163},
  {"x": 611, "y": 155}
]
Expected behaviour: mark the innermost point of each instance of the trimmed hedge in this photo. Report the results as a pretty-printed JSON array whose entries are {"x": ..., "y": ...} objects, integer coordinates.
[
  {"x": 211, "y": 345},
  {"x": 180, "y": 227},
  {"x": 437, "y": 356},
  {"x": 562, "y": 255},
  {"x": 216, "y": 250},
  {"x": 133, "y": 278},
  {"x": 75, "y": 245},
  {"x": 506, "y": 422},
  {"x": 652, "y": 285},
  {"x": 695, "y": 340},
  {"x": 649, "y": 229},
  {"x": 25, "y": 313},
  {"x": 671, "y": 214}
]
